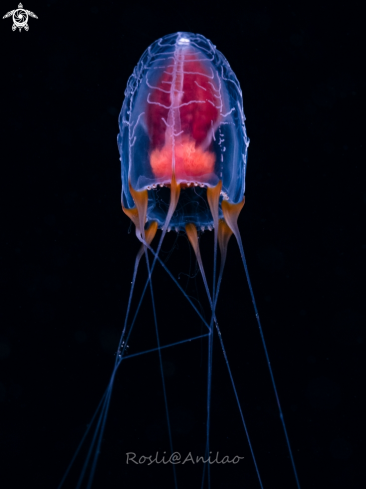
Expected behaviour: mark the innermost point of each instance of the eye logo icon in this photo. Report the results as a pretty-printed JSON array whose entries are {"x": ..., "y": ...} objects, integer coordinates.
[{"x": 20, "y": 17}]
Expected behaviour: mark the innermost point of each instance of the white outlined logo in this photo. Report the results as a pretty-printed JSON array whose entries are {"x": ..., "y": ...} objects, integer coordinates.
[{"x": 20, "y": 17}]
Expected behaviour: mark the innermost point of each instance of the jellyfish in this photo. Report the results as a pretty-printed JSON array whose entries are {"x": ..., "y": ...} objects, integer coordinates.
[{"x": 183, "y": 148}]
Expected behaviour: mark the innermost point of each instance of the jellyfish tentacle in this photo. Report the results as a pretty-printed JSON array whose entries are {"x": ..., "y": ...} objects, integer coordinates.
[
  {"x": 193, "y": 238},
  {"x": 150, "y": 233},
  {"x": 174, "y": 197},
  {"x": 138, "y": 217},
  {"x": 140, "y": 198},
  {"x": 191, "y": 231},
  {"x": 153, "y": 252},
  {"x": 231, "y": 213},
  {"x": 213, "y": 197},
  {"x": 224, "y": 235},
  {"x": 133, "y": 214}
]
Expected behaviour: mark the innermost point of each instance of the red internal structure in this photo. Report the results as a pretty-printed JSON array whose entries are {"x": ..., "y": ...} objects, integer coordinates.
[{"x": 186, "y": 91}]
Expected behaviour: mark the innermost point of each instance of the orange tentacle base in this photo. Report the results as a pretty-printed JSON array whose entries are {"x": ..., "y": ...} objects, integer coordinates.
[{"x": 231, "y": 213}]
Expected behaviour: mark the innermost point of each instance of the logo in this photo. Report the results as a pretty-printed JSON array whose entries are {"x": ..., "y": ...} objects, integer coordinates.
[{"x": 20, "y": 17}]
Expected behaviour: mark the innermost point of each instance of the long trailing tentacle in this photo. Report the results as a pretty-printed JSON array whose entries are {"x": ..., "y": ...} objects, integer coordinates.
[
  {"x": 193, "y": 238},
  {"x": 98, "y": 434},
  {"x": 138, "y": 216},
  {"x": 231, "y": 213},
  {"x": 144, "y": 248},
  {"x": 223, "y": 235},
  {"x": 135, "y": 215},
  {"x": 213, "y": 198}
]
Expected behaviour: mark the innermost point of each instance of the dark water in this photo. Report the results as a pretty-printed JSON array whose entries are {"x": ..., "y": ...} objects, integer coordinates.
[{"x": 67, "y": 253}]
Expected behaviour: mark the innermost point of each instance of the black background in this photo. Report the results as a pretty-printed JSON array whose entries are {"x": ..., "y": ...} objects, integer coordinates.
[{"x": 68, "y": 252}]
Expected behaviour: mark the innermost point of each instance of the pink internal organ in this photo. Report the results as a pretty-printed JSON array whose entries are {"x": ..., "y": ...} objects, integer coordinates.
[
  {"x": 190, "y": 162},
  {"x": 190, "y": 87}
]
